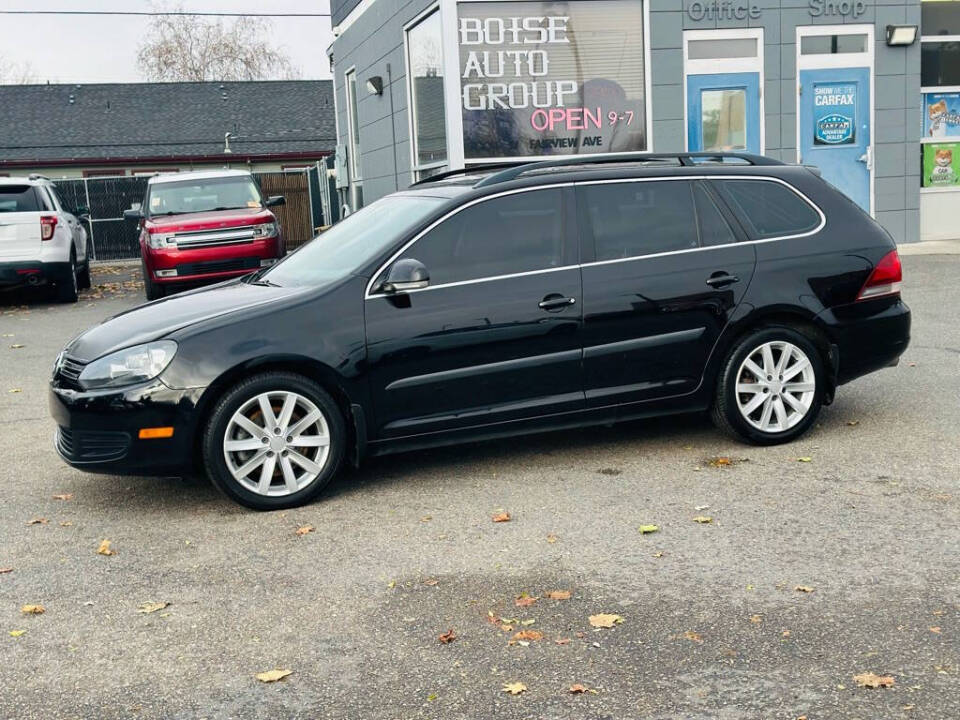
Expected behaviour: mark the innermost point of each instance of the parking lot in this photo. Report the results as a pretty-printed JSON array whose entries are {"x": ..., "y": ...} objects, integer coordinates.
[{"x": 829, "y": 558}]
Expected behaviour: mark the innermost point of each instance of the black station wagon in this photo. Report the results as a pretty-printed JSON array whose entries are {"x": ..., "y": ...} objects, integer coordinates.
[{"x": 492, "y": 302}]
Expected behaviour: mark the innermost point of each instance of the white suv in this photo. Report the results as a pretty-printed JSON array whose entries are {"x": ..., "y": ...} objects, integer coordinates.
[{"x": 40, "y": 241}]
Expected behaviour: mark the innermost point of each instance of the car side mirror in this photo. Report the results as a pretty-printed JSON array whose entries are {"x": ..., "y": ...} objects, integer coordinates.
[
  {"x": 275, "y": 200},
  {"x": 406, "y": 274},
  {"x": 133, "y": 214},
  {"x": 81, "y": 211}
]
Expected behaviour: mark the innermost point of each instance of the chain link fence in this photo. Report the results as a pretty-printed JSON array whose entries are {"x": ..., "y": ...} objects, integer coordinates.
[{"x": 114, "y": 238}]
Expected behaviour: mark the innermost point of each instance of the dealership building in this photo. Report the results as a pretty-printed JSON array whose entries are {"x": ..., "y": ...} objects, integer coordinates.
[{"x": 867, "y": 90}]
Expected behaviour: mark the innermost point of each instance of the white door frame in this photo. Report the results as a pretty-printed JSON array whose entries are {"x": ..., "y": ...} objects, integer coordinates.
[
  {"x": 712, "y": 66},
  {"x": 841, "y": 60}
]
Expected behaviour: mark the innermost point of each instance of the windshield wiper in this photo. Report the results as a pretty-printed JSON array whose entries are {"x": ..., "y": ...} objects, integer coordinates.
[{"x": 263, "y": 282}]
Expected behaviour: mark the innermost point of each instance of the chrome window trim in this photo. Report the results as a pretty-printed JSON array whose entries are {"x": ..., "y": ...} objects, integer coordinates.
[{"x": 607, "y": 181}]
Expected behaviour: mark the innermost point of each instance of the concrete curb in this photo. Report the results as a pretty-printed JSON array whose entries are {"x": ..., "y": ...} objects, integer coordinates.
[{"x": 931, "y": 247}]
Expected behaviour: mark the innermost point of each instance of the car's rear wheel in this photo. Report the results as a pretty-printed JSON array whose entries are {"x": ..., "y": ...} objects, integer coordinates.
[
  {"x": 274, "y": 441},
  {"x": 771, "y": 387},
  {"x": 66, "y": 287}
]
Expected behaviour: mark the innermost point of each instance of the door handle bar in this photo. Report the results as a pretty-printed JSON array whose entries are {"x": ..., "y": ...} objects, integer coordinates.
[
  {"x": 717, "y": 281},
  {"x": 554, "y": 303}
]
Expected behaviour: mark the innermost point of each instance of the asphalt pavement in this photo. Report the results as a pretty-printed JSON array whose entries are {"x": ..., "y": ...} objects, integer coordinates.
[{"x": 833, "y": 557}]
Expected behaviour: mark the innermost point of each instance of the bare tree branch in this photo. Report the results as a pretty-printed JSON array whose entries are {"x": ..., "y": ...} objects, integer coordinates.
[
  {"x": 183, "y": 48},
  {"x": 12, "y": 73}
]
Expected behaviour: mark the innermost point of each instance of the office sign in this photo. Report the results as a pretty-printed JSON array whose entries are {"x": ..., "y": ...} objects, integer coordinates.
[
  {"x": 834, "y": 114},
  {"x": 548, "y": 78}
]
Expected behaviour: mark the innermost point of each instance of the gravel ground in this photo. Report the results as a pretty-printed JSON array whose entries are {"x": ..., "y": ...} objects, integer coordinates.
[{"x": 713, "y": 625}]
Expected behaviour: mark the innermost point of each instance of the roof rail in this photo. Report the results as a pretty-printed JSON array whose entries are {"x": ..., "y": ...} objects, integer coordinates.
[
  {"x": 467, "y": 170},
  {"x": 37, "y": 176},
  {"x": 685, "y": 159}
]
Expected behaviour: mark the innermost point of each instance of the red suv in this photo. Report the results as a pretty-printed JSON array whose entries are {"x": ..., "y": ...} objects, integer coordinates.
[{"x": 203, "y": 227}]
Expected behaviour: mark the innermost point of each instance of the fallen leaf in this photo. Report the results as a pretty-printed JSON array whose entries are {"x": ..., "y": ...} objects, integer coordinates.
[
  {"x": 577, "y": 689},
  {"x": 701, "y": 508},
  {"x": 304, "y": 529},
  {"x": 658, "y": 554},
  {"x": 605, "y": 620},
  {"x": 4, "y": 570},
  {"x": 562, "y": 641},
  {"x": 506, "y": 627},
  {"x": 756, "y": 619},
  {"x": 392, "y": 584},
  {"x": 273, "y": 675},
  {"x": 66, "y": 523},
  {"x": 104, "y": 549},
  {"x": 872, "y": 680},
  {"x": 13, "y": 391},
  {"x": 151, "y": 607},
  {"x": 17, "y": 633},
  {"x": 528, "y": 621},
  {"x": 551, "y": 538},
  {"x": 426, "y": 518},
  {"x": 646, "y": 529},
  {"x": 448, "y": 637},
  {"x": 609, "y": 471},
  {"x": 935, "y": 629},
  {"x": 33, "y": 609},
  {"x": 524, "y": 600},
  {"x": 703, "y": 519},
  {"x": 431, "y": 582},
  {"x": 431, "y": 697},
  {"x": 693, "y": 636},
  {"x": 558, "y": 595},
  {"x": 785, "y": 633},
  {"x": 719, "y": 461},
  {"x": 527, "y": 635},
  {"x": 804, "y": 588},
  {"x": 501, "y": 517},
  {"x": 853, "y": 423},
  {"x": 804, "y": 459},
  {"x": 514, "y": 688},
  {"x": 16, "y": 346},
  {"x": 37, "y": 521},
  {"x": 63, "y": 496}
]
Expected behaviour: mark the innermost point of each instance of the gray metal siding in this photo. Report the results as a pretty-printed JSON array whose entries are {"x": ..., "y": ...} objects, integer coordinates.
[{"x": 376, "y": 38}]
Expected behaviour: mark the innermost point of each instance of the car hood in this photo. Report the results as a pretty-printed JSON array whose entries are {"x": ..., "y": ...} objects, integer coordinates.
[
  {"x": 158, "y": 319},
  {"x": 212, "y": 220}
]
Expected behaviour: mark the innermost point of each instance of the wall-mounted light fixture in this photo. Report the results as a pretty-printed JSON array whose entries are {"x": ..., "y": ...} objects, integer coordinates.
[
  {"x": 375, "y": 85},
  {"x": 901, "y": 35}
]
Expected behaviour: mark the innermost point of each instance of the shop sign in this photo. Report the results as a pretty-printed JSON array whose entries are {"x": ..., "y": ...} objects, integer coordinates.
[
  {"x": 940, "y": 164},
  {"x": 848, "y": 8},
  {"x": 542, "y": 78},
  {"x": 942, "y": 115},
  {"x": 834, "y": 114}
]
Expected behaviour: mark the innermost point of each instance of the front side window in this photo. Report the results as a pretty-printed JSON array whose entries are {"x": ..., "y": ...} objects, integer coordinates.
[
  {"x": 631, "y": 219},
  {"x": 425, "y": 63},
  {"x": 768, "y": 209},
  {"x": 192, "y": 196},
  {"x": 515, "y": 233}
]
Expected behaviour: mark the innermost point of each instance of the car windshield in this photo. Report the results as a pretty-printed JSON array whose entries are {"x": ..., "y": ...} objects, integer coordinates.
[
  {"x": 192, "y": 196},
  {"x": 353, "y": 242}
]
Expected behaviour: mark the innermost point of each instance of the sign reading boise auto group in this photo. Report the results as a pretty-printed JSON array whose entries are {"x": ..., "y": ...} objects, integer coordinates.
[
  {"x": 834, "y": 114},
  {"x": 551, "y": 78}
]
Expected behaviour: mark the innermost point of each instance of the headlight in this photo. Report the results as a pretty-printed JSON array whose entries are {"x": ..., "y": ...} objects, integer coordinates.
[
  {"x": 158, "y": 241},
  {"x": 268, "y": 229},
  {"x": 128, "y": 367}
]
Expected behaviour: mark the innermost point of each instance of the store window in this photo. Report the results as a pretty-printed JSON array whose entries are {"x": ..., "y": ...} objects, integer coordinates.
[
  {"x": 552, "y": 78},
  {"x": 940, "y": 81},
  {"x": 428, "y": 130}
]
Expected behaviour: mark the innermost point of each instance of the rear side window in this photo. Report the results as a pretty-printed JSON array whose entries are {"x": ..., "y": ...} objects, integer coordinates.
[
  {"x": 630, "y": 219},
  {"x": 510, "y": 234},
  {"x": 768, "y": 209},
  {"x": 714, "y": 229},
  {"x": 18, "y": 198}
]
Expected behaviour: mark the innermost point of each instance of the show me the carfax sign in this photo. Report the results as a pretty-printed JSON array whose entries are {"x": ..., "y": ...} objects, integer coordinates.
[{"x": 542, "y": 78}]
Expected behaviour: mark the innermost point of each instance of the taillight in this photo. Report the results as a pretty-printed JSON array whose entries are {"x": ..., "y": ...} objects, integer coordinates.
[
  {"x": 48, "y": 224},
  {"x": 885, "y": 278}
]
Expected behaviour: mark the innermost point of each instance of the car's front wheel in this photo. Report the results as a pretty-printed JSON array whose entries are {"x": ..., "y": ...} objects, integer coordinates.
[
  {"x": 771, "y": 387},
  {"x": 274, "y": 441}
]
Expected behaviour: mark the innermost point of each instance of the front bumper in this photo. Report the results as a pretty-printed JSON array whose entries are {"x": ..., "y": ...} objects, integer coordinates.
[
  {"x": 32, "y": 272},
  {"x": 98, "y": 431},
  {"x": 195, "y": 265},
  {"x": 869, "y": 335}
]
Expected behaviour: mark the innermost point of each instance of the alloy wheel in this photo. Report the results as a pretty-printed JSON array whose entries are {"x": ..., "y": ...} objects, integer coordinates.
[
  {"x": 276, "y": 443},
  {"x": 776, "y": 384}
]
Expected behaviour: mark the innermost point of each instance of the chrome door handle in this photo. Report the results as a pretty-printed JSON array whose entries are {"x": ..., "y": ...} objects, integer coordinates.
[
  {"x": 718, "y": 280},
  {"x": 556, "y": 302}
]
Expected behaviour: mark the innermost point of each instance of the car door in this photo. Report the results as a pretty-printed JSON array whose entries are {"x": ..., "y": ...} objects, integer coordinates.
[
  {"x": 666, "y": 273},
  {"x": 76, "y": 230},
  {"x": 495, "y": 337}
]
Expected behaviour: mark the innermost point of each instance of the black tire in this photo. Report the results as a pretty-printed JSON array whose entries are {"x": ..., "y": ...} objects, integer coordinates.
[
  {"x": 152, "y": 290},
  {"x": 66, "y": 287},
  {"x": 83, "y": 277},
  {"x": 215, "y": 464},
  {"x": 726, "y": 413}
]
